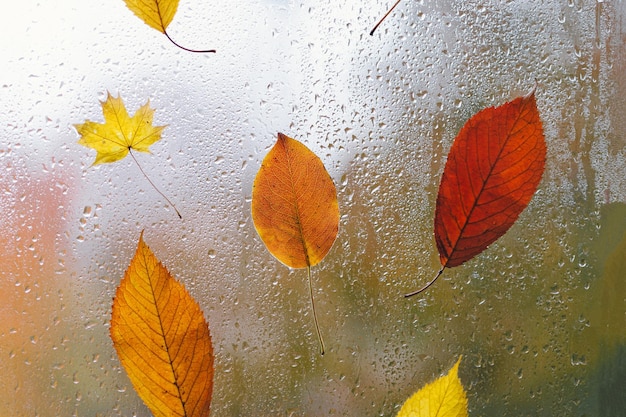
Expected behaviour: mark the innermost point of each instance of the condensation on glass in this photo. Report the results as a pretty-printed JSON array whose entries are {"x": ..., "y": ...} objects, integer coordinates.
[{"x": 538, "y": 317}]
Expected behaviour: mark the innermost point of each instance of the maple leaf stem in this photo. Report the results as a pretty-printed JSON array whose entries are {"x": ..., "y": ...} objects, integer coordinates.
[
  {"x": 317, "y": 326},
  {"x": 187, "y": 49},
  {"x": 384, "y": 17},
  {"x": 130, "y": 151},
  {"x": 424, "y": 288}
]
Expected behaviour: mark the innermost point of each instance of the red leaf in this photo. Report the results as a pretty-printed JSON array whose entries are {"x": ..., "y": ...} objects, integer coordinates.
[{"x": 492, "y": 172}]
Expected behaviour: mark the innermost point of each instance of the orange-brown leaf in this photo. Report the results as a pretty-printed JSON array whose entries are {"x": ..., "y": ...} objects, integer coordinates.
[
  {"x": 294, "y": 204},
  {"x": 162, "y": 339},
  {"x": 492, "y": 172}
]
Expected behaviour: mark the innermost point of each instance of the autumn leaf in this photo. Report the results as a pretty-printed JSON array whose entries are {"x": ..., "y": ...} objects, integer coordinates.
[
  {"x": 162, "y": 339},
  {"x": 492, "y": 172},
  {"x": 158, "y": 14},
  {"x": 294, "y": 207},
  {"x": 294, "y": 204},
  {"x": 612, "y": 283},
  {"x": 445, "y": 397},
  {"x": 120, "y": 134}
]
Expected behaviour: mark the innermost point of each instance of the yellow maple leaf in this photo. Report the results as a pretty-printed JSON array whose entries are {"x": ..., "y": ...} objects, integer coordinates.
[
  {"x": 444, "y": 397},
  {"x": 120, "y": 133}
]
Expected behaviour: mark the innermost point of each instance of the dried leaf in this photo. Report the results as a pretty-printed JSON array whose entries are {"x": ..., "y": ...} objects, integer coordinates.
[
  {"x": 295, "y": 208},
  {"x": 294, "y": 204},
  {"x": 613, "y": 290},
  {"x": 158, "y": 14},
  {"x": 445, "y": 397},
  {"x": 384, "y": 17},
  {"x": 119, "y": 133},
  {"x": 162, "y": 339},
  {"x": 492, "y": 172}
]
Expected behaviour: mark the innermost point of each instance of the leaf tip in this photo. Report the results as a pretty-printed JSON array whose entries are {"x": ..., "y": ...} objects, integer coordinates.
[
  {"x": 455, "y": 367},
  {"x": 79, "y": 127}
]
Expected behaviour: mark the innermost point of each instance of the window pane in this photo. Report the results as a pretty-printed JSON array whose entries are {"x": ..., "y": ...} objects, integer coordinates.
[{"x": 539, "y": 316}]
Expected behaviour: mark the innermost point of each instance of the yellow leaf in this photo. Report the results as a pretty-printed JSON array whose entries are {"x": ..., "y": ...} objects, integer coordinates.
[
  {"x": 294, "y": 204},
  {"x": 445, "y": 397},
  {"x": 119, "y": 133},
  {"x": 157, "y": 14},
  {"x": 162, "y": 339}
]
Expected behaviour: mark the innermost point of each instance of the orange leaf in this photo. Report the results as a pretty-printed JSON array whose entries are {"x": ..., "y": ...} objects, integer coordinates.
[
  {"x": 295, "y": 209},
  {"x": 162, "y": 339},
  {"x": 294, "y": 204},
  {"x": 492, "y": 172},
  {"x": 157, "y": 14},
  {"x": 120, "y": 134}
]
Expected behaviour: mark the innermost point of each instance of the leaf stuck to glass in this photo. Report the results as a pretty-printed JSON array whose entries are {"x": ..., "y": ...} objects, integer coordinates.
[
  {"x": 384, "y": 17},
  {"x": 295, "y": 209},
  {"x": 120, "y": 134},
  {"x": 158, "y": 14},
  {"x": 492, "y": 172}
]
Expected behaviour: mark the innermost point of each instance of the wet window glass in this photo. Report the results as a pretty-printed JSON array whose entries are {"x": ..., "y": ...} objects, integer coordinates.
[{"x": 538, "y": 317}]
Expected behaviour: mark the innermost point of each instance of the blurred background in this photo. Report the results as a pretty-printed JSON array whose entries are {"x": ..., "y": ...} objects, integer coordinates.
[{"x": 539, "y": 317}]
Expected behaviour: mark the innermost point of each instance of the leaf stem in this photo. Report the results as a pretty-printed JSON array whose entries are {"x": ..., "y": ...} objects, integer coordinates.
[
  {"x": 424, "y": 288},
  {"x": 187, "y": 49},
  {"x": 317, "y": 326},
  {"x": 384, "y": 17},
  {"x": 130, "y": 151}
]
